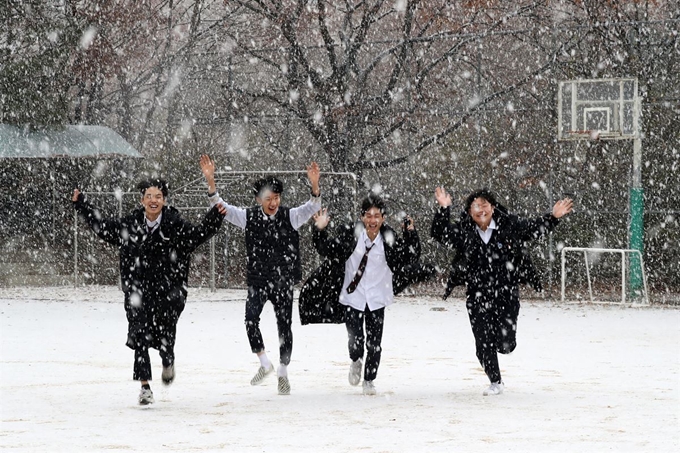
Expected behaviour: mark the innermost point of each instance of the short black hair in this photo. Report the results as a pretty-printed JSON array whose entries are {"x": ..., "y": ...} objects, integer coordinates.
[
  {"x": 373, "y": 201},
  {"x": 269, "y": 183},
  {"x": 480, "y": 193},
  {"x": 153, "y": 182}
]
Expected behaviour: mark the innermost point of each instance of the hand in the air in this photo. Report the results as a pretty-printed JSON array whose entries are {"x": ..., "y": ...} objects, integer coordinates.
[
  {"x": 321, "y": 219},
  {"x": 443, "y": 198}
]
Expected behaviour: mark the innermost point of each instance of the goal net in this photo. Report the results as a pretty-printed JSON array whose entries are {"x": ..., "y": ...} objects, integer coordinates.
[{"x": 590, "y": 258}]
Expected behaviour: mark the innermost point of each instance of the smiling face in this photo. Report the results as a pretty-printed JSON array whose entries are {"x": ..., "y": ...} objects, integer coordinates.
[
  {"x": 270, "y": 201},
  {"x": 373, "y": 220},
  {"x": 481, "y": 212},
  {"x": 153, "y": 201}
]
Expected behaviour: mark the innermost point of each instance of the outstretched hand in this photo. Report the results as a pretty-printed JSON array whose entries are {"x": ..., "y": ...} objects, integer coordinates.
[
  {"x": 76, "y": 194},
  {"x": 321, "y": 219},
  {"x": 208, "y": 169},
  {"x": 314, "y": 174},
  {"x": 443, "y": 198},
  {"x": 562, "y": 207},
  {"x": 207, "y": 166}
]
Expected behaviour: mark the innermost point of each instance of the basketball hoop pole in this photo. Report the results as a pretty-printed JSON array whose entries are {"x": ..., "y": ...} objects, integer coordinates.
[
  {"x": 609, "y": 109},
  {"x": 636, "y": 218}
]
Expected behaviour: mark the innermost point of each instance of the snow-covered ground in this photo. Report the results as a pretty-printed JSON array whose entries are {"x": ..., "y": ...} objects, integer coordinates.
[{"x": 583, "y": 379}]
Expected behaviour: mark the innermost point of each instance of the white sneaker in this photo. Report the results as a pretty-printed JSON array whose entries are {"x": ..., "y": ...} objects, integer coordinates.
[
  {"x": 284, "y": 385},
  {"x": 369, "y": 388},
  {"x": 168, "y": 374},
  {"x": 496, "y": 388},
  {"x": 355, "y": 372},
  {"x": 262, "y": 373},
  {"x": 146, "y": 397}
]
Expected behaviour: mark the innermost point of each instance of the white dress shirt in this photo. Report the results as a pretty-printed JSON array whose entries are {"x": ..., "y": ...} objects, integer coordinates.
[
  {"x": 486, "y": 235},
  {"x": 375, "y": 287},
  {"x": 298, "y": 216},
  {"x": 151, "y": 225}
]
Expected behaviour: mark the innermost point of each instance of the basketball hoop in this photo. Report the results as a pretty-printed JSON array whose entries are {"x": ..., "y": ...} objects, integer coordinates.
[{"x": 601, "y": 109}]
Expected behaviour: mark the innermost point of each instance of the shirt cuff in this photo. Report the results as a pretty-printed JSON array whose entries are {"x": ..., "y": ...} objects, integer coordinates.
[{"x": 214, "y": 199}]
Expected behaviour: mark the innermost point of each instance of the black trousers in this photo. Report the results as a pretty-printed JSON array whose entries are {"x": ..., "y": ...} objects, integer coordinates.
[
  {"x": 374, "y": 321},
  {"x": 493, "y": 317},
  {"x": 281, "y": 297},
  {"x": 152, "y": 324},
  {"x": 142, "y": 367}
]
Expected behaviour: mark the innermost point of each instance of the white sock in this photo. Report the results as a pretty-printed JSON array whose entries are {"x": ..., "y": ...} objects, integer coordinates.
[
  {"x": 282, "y": 371},
  {"x": 264, "y": 361}
]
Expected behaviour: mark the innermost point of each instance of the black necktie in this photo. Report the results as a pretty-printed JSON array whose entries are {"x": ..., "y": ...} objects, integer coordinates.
[{"x": 360, "y": 272}]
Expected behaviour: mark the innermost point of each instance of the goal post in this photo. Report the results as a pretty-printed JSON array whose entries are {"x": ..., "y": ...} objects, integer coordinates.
[{"x": 632, "y": 252}]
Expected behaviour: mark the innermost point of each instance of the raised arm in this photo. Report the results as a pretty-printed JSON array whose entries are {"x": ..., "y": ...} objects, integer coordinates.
[
  {"x": 442, "y": 230},
  {"x": 325, "y": 245},
  {"x": 107, "y": 229},
  {"x": 234, "y": 215},
  {"x": 208, "y": 170},
  {"x": 314, "y": 174},
  {"x": 191, "y": 236},
  {"x": 562, "y": 208},
  {"x": 300, "y": 215},
  {"x": 533, "y": 228}
]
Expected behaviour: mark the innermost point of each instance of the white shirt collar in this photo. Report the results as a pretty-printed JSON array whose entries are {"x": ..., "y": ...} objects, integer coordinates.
[
  {"x": 367, "y": 240},
  {"x": 267, "y": 216},
  {"x": 486, "y": 235},
  {"x": 151, "y": 224}
]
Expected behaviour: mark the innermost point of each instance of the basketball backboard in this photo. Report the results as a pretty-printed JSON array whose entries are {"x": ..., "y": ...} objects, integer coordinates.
[{"x": 606, "y": 109}]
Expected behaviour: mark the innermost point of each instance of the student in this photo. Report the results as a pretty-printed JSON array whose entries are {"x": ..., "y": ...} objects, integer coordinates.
[
  {"x": 155, "y": 246},
  {"x": 367, "y": 263},
  {"x": 273, "y": 261},
  {"x": 490, "y": 260}
]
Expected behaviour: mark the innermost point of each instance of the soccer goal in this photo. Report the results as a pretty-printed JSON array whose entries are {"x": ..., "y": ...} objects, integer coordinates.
[{"x": 623, "y": 252}]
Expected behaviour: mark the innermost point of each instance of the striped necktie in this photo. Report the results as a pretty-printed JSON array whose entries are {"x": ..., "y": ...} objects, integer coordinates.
[{"x": 360, "y": 272}]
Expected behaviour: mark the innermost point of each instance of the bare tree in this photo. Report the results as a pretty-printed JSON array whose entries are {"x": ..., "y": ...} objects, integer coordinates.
[{"x": 375, "y": 83}]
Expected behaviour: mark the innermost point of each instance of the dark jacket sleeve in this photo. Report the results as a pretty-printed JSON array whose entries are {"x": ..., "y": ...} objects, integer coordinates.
[
  {"x": 443, "y": 231},
  {"x": 107, "y": 229},
  {"x": 321, "y": 241},
  {"x": 528, "y": 229},
  {"x": 457, "y": 274},
  {"x": 319, "y": 295},
  {"x": 333, "y": 247},
  {"x": 446, "y": 233},
  {"x": 411, "y": 246},
  {"x": 191, "y": 236},
  {"x": 409, "y": 269}
]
